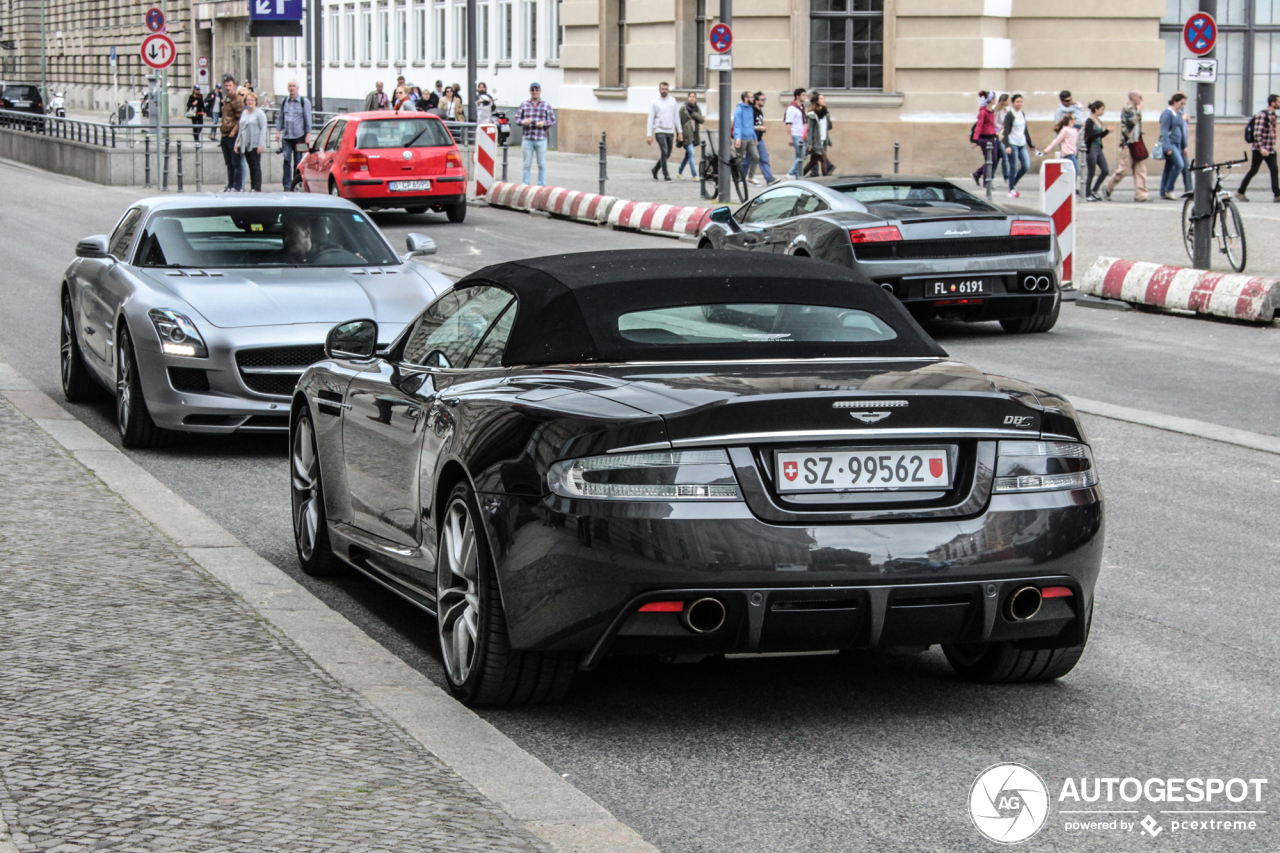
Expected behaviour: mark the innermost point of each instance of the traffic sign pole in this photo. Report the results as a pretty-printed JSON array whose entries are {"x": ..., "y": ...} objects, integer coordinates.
[
  {"x": 1202, "y": 247},
  {"x": 726, "y": 113}
]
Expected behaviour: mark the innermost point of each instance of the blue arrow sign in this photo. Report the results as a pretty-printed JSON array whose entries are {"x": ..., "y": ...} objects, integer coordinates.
[{"x": 275, "y": 10}]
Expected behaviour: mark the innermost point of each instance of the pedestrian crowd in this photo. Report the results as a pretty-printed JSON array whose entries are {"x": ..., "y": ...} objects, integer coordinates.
[{"x": 1001, "y": 133}]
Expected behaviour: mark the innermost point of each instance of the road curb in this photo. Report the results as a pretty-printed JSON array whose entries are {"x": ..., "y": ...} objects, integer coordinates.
[{"x": 533, "y": 794}]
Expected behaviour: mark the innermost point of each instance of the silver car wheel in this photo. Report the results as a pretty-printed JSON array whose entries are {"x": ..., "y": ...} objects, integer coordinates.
[
  {"x": 124, "y": 384},
  {"x": 66, "y": 342},
  {"x": 458, "y": 595},
  {"x": 306, "y": 490}
]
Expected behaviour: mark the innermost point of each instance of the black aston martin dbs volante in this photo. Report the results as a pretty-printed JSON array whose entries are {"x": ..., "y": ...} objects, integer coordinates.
[{"x": 687, "y": 454}]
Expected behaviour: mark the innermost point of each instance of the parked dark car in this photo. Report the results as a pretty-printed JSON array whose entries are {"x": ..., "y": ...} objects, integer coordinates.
[
  {"x": 690, "y": 454},
  {"x": 22, "y": 98},
  {"x": 944, "y": 252}
]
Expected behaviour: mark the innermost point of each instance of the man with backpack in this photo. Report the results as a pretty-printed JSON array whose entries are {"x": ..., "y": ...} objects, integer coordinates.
[
  {"x": 1261, "y": 131},
  {"x": 293, "y": 126}
]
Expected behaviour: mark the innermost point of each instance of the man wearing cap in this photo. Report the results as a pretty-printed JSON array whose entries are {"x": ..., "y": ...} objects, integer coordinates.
[{"x": 534, "y": 117}]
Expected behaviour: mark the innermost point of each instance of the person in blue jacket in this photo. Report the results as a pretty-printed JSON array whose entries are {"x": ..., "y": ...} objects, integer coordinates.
[
  {"x": 1173, "y": 142},
  {"x": 744, "y": 132}
]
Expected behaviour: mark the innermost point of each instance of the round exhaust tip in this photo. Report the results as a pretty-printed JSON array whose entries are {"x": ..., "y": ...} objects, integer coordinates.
[
  {"x": 1044, "y": 283},
  {"x": 1024, "y": 604},
  {"x": 704, "y": 615},
  {"x": 888, "y": 287},
  {"x": 1029, "y": 283}
]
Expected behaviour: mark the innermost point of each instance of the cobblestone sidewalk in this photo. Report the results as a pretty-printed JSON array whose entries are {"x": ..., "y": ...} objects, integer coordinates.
[{"x": 143, "y": 708}]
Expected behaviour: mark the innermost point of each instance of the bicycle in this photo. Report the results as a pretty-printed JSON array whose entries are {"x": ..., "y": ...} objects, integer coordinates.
[
  {"x": 1230, "y": 238},
  {"x": 709, "y": 168}
]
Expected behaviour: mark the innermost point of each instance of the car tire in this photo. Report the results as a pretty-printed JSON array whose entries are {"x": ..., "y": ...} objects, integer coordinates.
[
  {"x": 310, "y": 531},
  {"x": 457, "y": 212},
  {"x": 1003, "y": 663},
  {"x": 480, "y": 666},
  {"x": 137, "y": 429},
  {"x": 78, "y": 386},
  {"x": 298, "y": 185},
  {"x": 333, "y": 188},
  {"x": 706, "y": 244},
  {"x": 1038, "y": 323}
]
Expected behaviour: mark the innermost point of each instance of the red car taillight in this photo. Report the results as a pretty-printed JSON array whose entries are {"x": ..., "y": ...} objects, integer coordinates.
[
  {"x": 1029, "y": 228},
  {"x": 886, "y": 234},
  {"x": 453, "y": 160},
  {"x": 356, "y": 163}
]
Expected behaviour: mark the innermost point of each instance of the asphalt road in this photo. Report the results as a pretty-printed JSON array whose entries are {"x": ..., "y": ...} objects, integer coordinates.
[{"x": 863, "y": 751}]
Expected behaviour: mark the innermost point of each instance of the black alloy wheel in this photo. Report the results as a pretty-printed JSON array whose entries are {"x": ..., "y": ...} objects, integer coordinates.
[
  {"x": 137, "y": 429},
  {"x": 310, "y": 533},
  {"x": 480, "y": 665},
  {"x": 78, "y": 386}
]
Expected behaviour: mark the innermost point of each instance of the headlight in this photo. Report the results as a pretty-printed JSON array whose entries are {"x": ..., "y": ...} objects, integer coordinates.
[
  {"x": 1042, "y": 466},
  {"x": 682, "y": 475},
  {"x": 178, "y": 335}
]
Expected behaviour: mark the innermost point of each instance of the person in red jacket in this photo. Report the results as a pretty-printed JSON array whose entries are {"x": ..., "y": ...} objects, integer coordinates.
[{"x": 985, "y": 136}]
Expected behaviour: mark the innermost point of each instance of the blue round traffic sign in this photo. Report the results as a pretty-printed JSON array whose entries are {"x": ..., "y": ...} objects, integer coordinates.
[
  {"x": 1200, "y": 33},
  {"x": 721, "y": 38},
  {"x": 155, "y": 20}
]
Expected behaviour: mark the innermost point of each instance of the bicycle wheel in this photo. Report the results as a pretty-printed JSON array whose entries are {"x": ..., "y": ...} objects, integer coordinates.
[
  {"x": 1232, "y": 239},
  {"x": 1189, "y": 227},
  {"x": 739, "y": 182}
]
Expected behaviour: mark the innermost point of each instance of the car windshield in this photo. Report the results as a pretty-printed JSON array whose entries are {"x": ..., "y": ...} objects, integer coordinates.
[
  {"x": 402, "y": 133},
  {"x": 19, "y": 92},
  {"x": 940, "y": 195},
  {"x": 770, "y": 325},
  {"x": 262, "y": 237}
]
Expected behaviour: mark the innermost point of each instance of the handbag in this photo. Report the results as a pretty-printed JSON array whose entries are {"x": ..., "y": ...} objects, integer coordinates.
[{"x": 1138, "y": 150}]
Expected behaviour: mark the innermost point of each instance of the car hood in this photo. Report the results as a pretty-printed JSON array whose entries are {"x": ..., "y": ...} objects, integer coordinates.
[{"x": 272, "y": 297}]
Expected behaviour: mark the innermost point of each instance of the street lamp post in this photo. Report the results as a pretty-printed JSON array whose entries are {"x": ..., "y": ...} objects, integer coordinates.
[
  {"x": 1202, "y": 242},
  {"x": 471, "y": 61},
  {"x": 726, "y": 117}
]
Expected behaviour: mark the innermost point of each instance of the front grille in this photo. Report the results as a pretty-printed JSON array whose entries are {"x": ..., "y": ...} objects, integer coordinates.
[
  {"x": 300, "y": 356},
  {"x": 962, "y": 247},
  {"x": 193, "y": 380},
  {"x": 279, "y": 384},
  {"x": 276, "y": 384}
]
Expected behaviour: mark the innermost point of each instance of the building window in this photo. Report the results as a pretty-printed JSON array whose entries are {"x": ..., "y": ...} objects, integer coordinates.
[
  {"x": 505, "y": 26},
  {"x": 419, "y": 31},
  {"x": 1248, "y": 53},
  {"x": 335, "y": 37},
  {"x": 529, "y": 21},
  {"x": 438, "y": 36},
  {"x": 366, "y": 32},
  {"x": 384, "y": 31},
  {"x": 482, "y": 33},
  {"x": 402, "y": 32},
  {"x": 460, "y": 31},
  {"x": 846, "y": 44},
  {"x": 700, "y": 39},
  {"x": 349, "y": 30},
  {"x": 556, "y": 31}
]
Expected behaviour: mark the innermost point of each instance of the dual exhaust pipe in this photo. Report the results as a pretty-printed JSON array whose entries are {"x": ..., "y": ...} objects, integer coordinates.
[{"x": 1037, "y": 282}]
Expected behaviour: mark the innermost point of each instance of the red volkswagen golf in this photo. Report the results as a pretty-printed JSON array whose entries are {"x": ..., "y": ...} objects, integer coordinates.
[{"x": 382, "y": 159}]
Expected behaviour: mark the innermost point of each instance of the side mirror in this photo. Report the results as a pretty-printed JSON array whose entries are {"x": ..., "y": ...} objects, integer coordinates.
[
  {"x": 355, "y": 339},
  {"x": 724, "y": 216},
  {"x": 302, "y": 148},
  {"x": 420, "y": 244},
  {"x": 92, "y": 247}
]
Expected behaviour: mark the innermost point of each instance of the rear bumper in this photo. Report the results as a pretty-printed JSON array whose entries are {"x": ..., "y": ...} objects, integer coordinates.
[
  {"x": 574, "y": 573},
  {"x": 373, "y": 192},
  {"x": 1001, "y": 306}
]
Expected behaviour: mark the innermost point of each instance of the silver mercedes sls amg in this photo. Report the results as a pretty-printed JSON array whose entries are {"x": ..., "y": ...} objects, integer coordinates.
[{"x": 200, "y": 312}]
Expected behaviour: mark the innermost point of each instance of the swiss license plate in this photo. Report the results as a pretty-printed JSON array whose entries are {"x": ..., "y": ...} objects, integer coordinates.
[
  {"x": 409, "y": 186},
  {"x": 867, "y": 469},
  {"x": 942, "y": 288}
]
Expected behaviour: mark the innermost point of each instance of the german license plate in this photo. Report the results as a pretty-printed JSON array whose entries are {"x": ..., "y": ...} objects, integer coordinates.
[
  {"x": 866, "y": 469},
  {"x": 943, "y": 288},
  {"x": 22, "y": 103},
  {"x": 409, "y": 186}
]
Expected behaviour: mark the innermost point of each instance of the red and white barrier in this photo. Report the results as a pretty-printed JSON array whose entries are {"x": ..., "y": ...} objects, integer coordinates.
[
  {"x": 485, "y": 157},
  {"x": 1239, "y": 297},
  {"x": 673, "y": 219},
  {"x": 1058, "y": 199},
  {"x": 574, "y": 204}
]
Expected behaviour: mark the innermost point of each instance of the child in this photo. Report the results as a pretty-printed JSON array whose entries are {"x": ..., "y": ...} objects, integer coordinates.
[{"x": 1066, "y": 141}]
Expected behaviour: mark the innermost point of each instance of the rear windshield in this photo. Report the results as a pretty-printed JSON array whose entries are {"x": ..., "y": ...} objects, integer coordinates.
[
  {"x": 768, "y": 326},
  {"x": 12, "y": 91},
  {"x": 262, "y": 237},
  {"x": 941, "y": 195},
  {"x": 402, "y": 133}
]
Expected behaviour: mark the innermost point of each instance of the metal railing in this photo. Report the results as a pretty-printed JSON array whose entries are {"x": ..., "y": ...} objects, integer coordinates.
[{"x": 89, "y": 132}]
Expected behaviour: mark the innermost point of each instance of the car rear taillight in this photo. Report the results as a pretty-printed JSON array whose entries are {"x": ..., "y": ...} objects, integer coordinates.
[
  {"x": 705, "y": 475},
  {"x": 453, "y": 160},
  {"x": 356, "y": 163},
  {"x": 662, "y": 607},
  {"x": 1044, "y": 466},
  {"x": 885, "y": 234},
  {"x": 1029, "y": 228}
]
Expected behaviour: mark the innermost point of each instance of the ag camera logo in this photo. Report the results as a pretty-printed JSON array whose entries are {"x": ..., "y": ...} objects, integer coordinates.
[{"x": 1008, "y": 803}]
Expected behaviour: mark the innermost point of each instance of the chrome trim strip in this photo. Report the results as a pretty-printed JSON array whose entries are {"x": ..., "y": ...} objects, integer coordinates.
[
  {"x": 296, "y": 371},
  {"x": 869, "y": 404},
  {"x": 827, "y": 435},
  {"x": 849, "y": 360}
]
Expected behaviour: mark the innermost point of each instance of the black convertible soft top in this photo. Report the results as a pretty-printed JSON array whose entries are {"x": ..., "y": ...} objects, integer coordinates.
[{"x": 568, "y": 305}]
